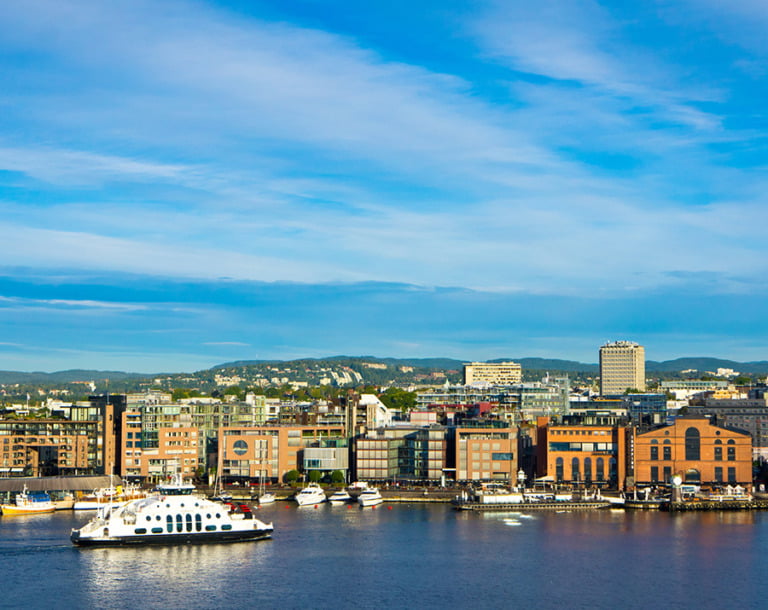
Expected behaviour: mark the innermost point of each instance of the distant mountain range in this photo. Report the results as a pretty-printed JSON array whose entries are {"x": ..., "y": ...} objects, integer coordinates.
[{"x": 699, "y": 364}]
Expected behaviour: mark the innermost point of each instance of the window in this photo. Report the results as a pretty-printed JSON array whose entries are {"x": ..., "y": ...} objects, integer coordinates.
[
  {"x": 718, "y": 474},
  {"x": 575, "y": 469},
  {"x": 718, "y": 450},
  {"x": 654, "y": 474},
  {"x": 613, "y": 472},
  {"x": 600, "y": 469},
  {"x": 731, "y": 450},
  {"x": 667, "y": 474},
  {"x": 692, "y": 444},
  {"x": 667, "y": 453},
  {"x": 559, "y": 470},
  {"x": 731, "y": 474},
  {"x": 654, "y": 452},
  {"x": 588, "y": 470}
]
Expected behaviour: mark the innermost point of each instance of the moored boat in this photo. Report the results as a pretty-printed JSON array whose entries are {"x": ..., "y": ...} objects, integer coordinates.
[
  {"x": 172, "y": 515},
  {"x": 311, "y": 494},
  {"x": 340, "y": 497},
  {"x": 266, "y": 498},
  {"x": 370, "y": 496},
  {"x": 29, "y": 503}
]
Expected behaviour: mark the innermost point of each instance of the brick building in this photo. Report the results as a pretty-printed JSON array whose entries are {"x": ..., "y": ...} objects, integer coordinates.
[{"x": 697, "y": 450}]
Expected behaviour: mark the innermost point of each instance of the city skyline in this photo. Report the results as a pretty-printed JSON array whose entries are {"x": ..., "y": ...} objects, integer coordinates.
[{"x": 198, "y": 182}]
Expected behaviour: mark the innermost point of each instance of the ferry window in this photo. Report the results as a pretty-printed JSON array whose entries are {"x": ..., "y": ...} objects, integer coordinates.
[
  {"x": 169, "y": 524},
  {"x": 149, "y": 517},
  {"x": 692, "y": 444},
  {"x": 198, "y": 522},
  {"x": 218, "y": 516},
  {"x": 189, "y": 522},
  {"x": 179, "y": 525}
]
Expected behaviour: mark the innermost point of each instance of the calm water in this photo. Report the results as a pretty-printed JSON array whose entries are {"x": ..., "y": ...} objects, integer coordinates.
[{"x": 409, "y": 556}]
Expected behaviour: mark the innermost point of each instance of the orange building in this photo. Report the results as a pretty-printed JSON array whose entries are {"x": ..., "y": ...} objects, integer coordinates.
[
  {"x": 581, "y": 454},
  {"x": 154, "y": 454},
  {"x": 696, "y": 450},
  {"x": 486, "y": 453},
  {"x": 270, "y": 451}
]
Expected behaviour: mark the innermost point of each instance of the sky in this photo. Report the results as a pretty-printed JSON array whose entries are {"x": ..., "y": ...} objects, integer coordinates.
[{"x": 186, "y": 183}]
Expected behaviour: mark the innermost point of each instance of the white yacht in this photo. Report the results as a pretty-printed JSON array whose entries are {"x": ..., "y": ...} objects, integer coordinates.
[
  {"x": 311, "y": 494},
  {"x": 340, "y": 497},
  {"x": 370, "y": 496},
  {"x": 172, "y": 515}
]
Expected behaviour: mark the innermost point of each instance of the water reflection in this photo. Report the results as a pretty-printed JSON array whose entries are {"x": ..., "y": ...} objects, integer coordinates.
[{"x": 184, "y": 574}]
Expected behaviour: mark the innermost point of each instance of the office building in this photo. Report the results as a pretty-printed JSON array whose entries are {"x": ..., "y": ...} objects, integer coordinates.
[
  {"x": 622, "y": 367},
  {"x": 492, "y": 373}
]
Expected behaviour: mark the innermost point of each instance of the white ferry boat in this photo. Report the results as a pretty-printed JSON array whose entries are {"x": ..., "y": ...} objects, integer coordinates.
[
  {"x": 370, "y": 496},
  {"x": 311, "y": 494},
  {"x": 173, "y": 515}
]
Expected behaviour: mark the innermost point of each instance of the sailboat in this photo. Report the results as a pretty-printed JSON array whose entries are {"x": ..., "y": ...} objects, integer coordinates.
[{"x": 265, "y": 497}]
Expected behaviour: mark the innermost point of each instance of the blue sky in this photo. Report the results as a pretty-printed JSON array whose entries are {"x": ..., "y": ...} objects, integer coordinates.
[{"x": 185, "y": 183}]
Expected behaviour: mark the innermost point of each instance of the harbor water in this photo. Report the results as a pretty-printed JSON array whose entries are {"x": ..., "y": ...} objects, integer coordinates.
[{"x": 405, "y": 555}]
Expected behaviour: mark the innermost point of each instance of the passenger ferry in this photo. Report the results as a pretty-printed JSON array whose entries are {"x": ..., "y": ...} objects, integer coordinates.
[{"x": 172, "y": 515}]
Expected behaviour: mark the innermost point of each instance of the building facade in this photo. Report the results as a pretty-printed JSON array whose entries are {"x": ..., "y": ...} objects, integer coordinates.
[
  {"x": 492, "y": 373},
  {"x": 415, "y": 453},
  {"x": 696, "y": 450},
  {"x": 486, "y": 452},
  {"x": 581, "y": 454},
  {"x": 622, "y": 367},
  {"x": 38, "y": 447},
  {"x": 256, "y": 452}
]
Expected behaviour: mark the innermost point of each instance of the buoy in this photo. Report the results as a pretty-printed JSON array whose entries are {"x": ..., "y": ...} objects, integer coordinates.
[
  {"x": 389, "y": 508},
  {"x": 315, "y": 505}
]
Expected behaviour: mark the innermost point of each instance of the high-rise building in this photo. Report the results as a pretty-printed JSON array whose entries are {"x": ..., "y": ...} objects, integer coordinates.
[
  {"x": 492, "y": 373},
  {"x": 622, "y": 367}
]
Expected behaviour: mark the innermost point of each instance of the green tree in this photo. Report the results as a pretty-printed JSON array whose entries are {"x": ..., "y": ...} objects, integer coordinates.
[
  {"x": 315, "y": 476},
  {"x": 398, "y": 399},
  {"x": 291, "y": 476},
  {"x": 337, "y": 477}
]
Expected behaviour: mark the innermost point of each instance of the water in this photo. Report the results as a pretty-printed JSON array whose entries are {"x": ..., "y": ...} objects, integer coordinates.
[{"x": 406, "y": 556}]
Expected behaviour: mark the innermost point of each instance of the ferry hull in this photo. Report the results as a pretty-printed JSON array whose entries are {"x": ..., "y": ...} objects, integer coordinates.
[{"x": 161, "y": 539}]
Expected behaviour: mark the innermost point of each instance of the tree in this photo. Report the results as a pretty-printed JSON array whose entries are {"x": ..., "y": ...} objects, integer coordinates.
[
  {"x": 337, "y": 477},
  {"x": 315, "y": 476},
  {"x": 291, "y": 476},
  {"x": 398, "y": 399}
]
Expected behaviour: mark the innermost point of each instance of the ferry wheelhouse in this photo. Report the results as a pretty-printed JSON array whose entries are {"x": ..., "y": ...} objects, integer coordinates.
[{"x": 172, "y": 515}]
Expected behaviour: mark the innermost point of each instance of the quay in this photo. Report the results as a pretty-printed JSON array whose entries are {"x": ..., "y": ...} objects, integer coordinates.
[
  {"x": 524, "y": 506},
  {"x": 708, "y": 505}
]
